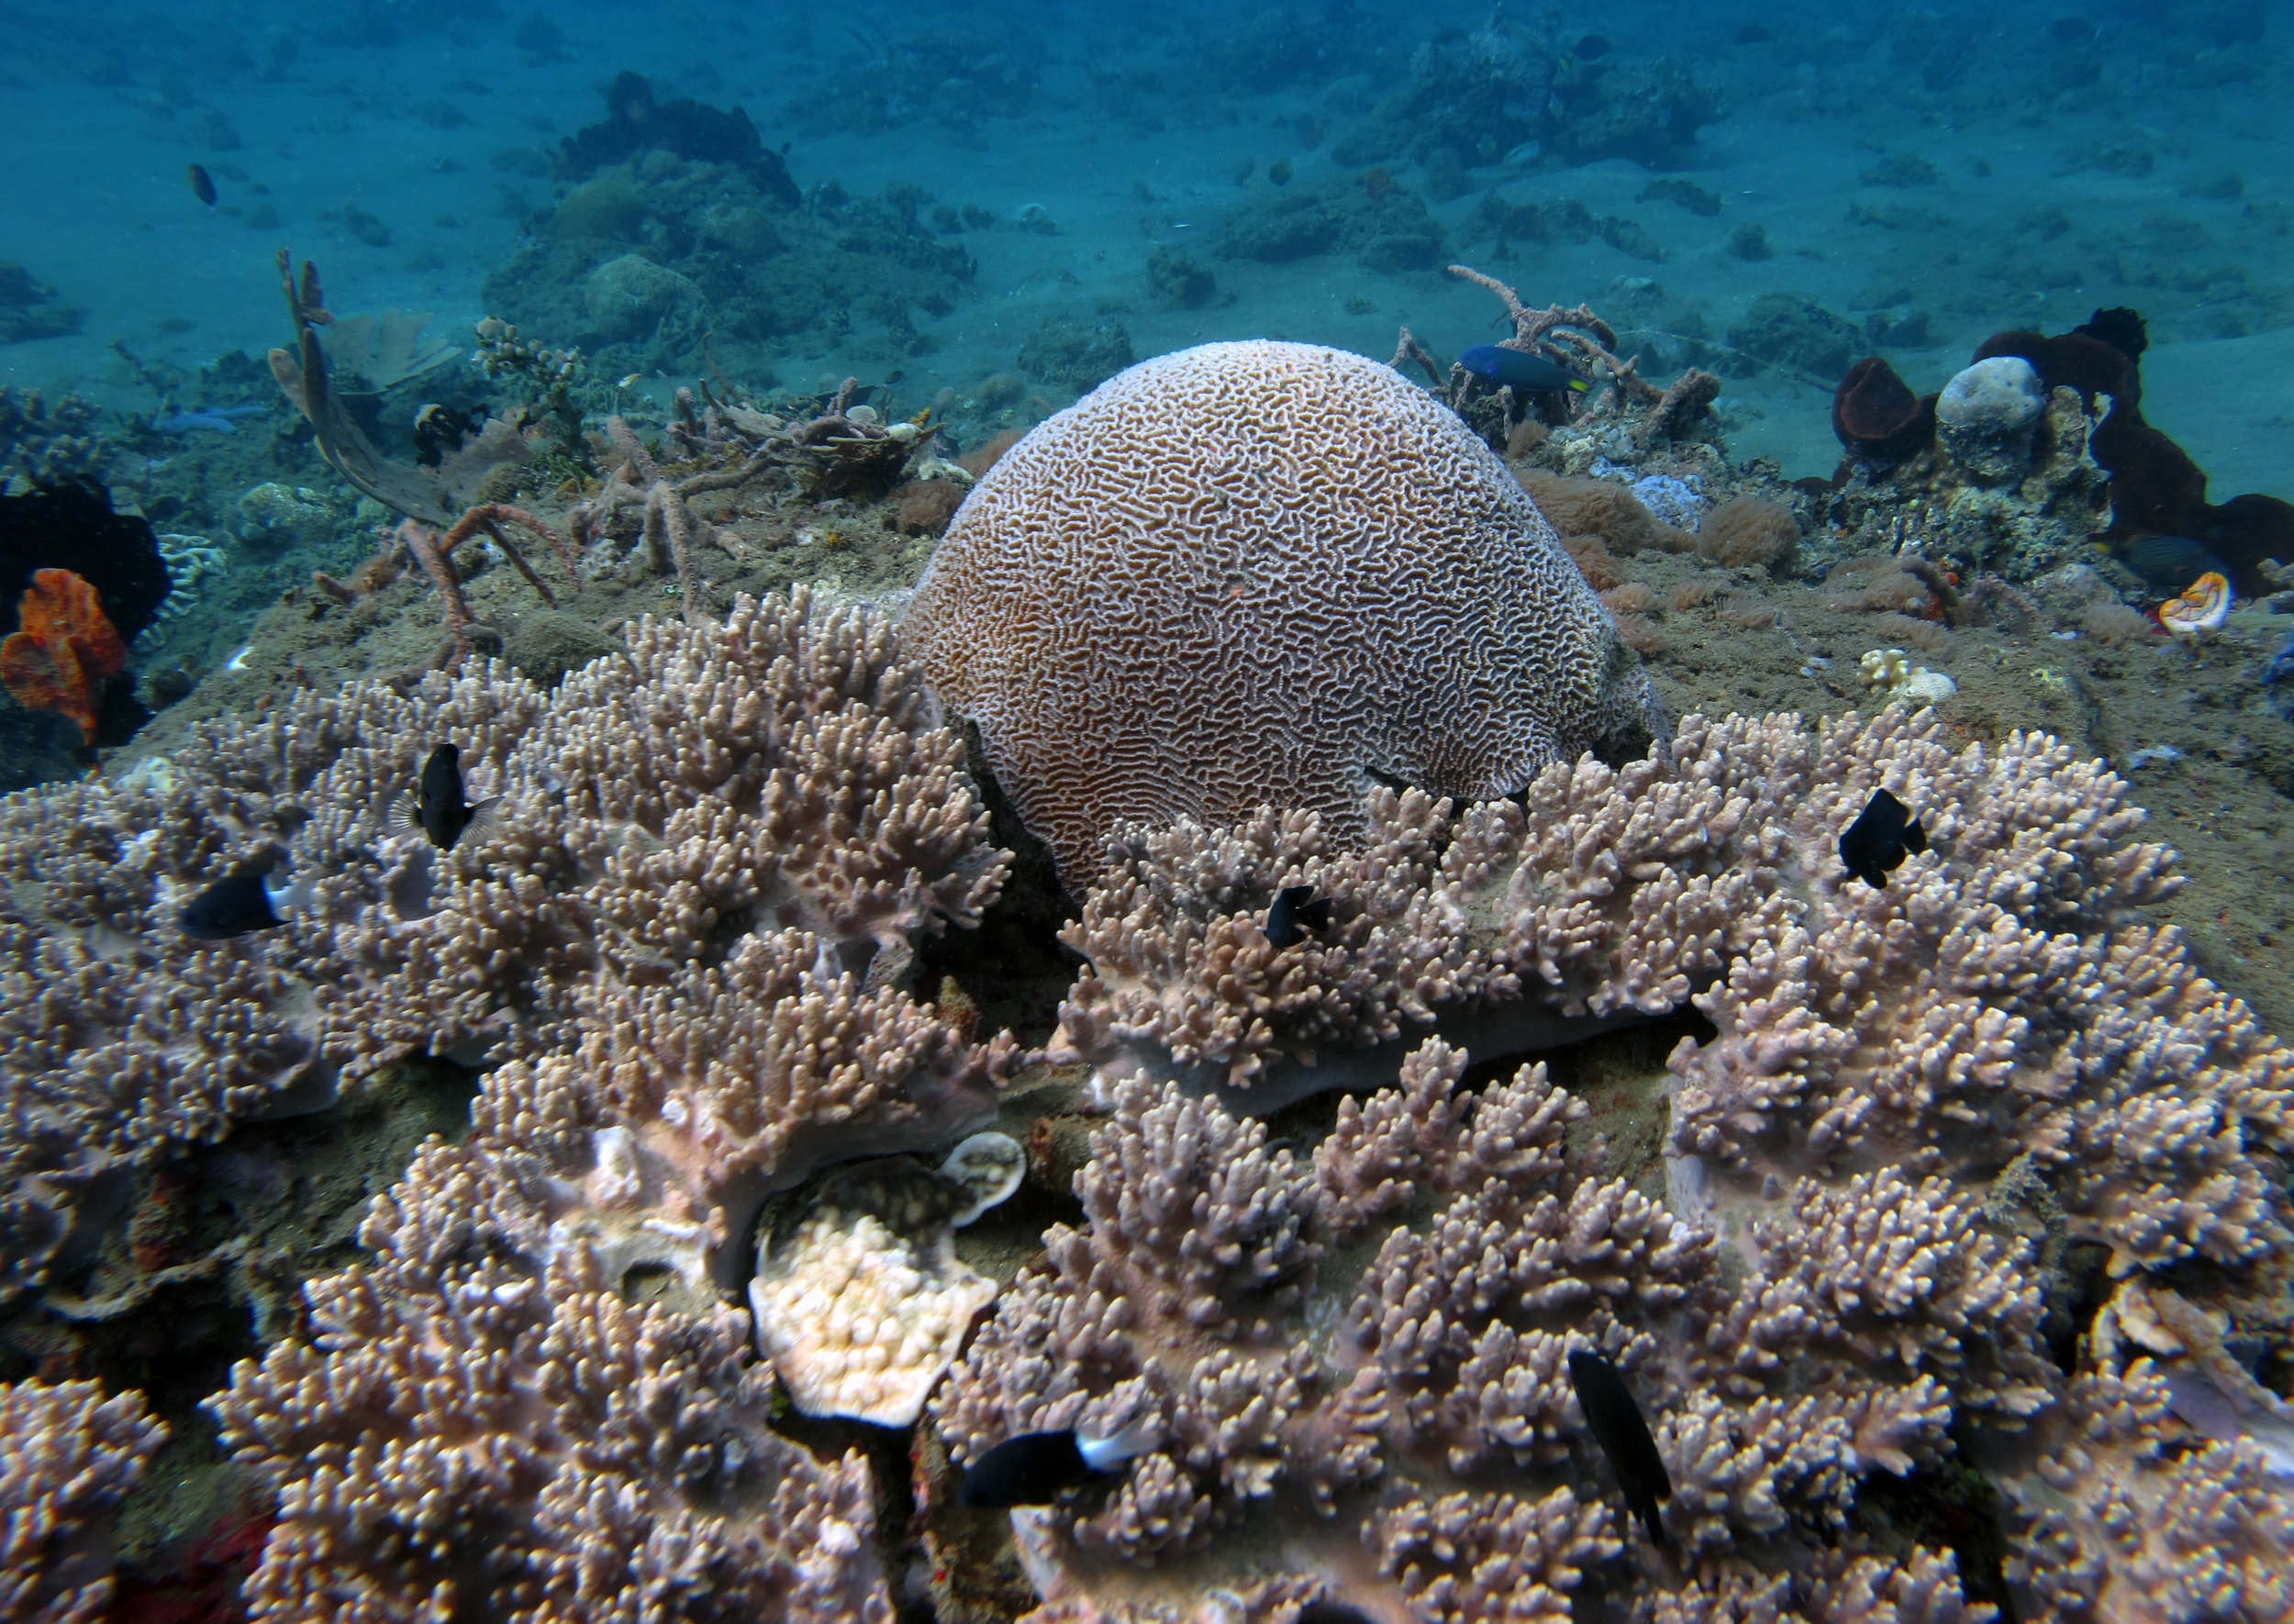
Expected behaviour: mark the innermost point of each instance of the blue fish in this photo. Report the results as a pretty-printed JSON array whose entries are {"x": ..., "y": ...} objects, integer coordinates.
[
  {"x": 1517, "y": 369},
  {"x": 218, "y": 419},
  {"x": 2281, "y": 664}
]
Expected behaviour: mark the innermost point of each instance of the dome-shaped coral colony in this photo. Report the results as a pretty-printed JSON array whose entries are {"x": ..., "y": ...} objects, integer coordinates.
[
  {"x": 1972, "y": 1177},
  {"x": 1263, "y": 572}
]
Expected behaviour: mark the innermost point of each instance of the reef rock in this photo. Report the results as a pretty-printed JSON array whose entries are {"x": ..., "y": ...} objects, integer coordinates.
[
  {"x": 1986, "y": 413},
  {"x": 629, "y": 297}
]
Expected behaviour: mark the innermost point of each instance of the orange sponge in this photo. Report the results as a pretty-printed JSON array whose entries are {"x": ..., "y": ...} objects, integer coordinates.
[{"x": 63, "y": 650}]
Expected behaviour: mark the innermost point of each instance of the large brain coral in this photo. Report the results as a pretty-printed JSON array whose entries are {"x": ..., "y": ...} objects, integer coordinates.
[{"x": 1262, "y": 573}]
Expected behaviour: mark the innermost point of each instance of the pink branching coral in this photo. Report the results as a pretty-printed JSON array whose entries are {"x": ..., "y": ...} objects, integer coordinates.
[
  {"x": 778, "y": 772},
  {"x": 1912, "y": 1096}
]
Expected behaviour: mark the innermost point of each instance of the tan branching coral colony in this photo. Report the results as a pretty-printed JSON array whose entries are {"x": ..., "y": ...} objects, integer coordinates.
[{"x": 1974, "y": 1179}]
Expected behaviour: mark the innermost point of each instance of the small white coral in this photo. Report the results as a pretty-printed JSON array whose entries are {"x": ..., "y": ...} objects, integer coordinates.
[{"x": 1902, "y": 683}]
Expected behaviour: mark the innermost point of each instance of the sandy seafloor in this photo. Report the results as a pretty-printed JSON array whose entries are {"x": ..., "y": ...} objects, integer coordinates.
[{"x": 443, "y": 135}]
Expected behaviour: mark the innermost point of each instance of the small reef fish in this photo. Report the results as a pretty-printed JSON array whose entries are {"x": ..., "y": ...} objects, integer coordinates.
[
  {"x": 202, "y": 183},
  {"x": 438, "y": 806},
  {"x": 1295, "y": 911},
  {"x": 1036, "y": 1468},
  {"x": 245, "y": 902},
  {"x": 1618, "y": 1427},
  {"x": 1518, "y": 369},
  {"x": 2281, "y": 664},
  {"x": 2169, "y": 564},
  {"x": 1877, "y": 843},
  {"x": 2203, "y": 606},
  {"x": 216, "y": 417}
]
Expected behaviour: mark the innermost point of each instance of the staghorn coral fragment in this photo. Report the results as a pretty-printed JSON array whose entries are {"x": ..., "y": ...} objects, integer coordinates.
[{"x": 1259, "y": 573}]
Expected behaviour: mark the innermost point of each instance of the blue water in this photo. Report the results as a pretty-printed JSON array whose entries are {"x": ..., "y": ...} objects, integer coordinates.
[{"x": 1929, "y": 175}]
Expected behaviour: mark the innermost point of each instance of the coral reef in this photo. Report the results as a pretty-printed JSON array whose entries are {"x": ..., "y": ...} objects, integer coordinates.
[
  {"x": 68, "y": 1457},
  {"x": 1471, "y": 98},
  {"x": 1144, "y": 608},
  {"x": 1386, "y": 228},
  {"x": 773, "y": 772},
  {"x": 29, "y": 309},
  {"x": 695, "y": 229},
  {"x": 1980, "y": 498},
  {"x": 2156, "y": 488},
  {"x": 45, "y": 442},
  {"x": 2077, "y": 460},
  {"x": 1915, "y": 1102}
]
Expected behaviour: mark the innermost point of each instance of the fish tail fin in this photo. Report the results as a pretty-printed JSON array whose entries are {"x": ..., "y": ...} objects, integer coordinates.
[{"x": 1915, "y": 837}]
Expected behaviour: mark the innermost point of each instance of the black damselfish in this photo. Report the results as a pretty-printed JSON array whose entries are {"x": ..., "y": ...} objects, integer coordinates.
[
  {"x": 244, "y": 903},
  {"x": 1623, "y": 1435},
  {"x": 1884, "y": 833},
  {"x": 1296, "y": 909},
  {"x": 440, "y": 811},
  {"x": 1036, "y": 1468},
  {"x": 202, "y": 183}
]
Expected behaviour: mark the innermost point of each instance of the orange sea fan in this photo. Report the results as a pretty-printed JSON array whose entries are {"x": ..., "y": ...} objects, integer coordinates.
[{"x": 63, "y": 649}]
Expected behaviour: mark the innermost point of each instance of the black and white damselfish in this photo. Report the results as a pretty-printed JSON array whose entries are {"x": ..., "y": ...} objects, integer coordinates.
[
  {"x": 440, "y": 806},
  {"x": 1295, "y": 911},
  {"x": 1036, "y": 1468},
  {"x": 1877, "y": 843},
  {"x": 1618, "y": 1427},
  {"x": 247, "y": 901}
]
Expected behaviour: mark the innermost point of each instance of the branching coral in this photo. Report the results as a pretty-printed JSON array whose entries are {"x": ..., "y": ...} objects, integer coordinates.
[
  {"x": 663, "y": 815},
  {"x": 1905, "y": 1090},
  {"x": 68, "y": 1457},
  {"x": 1414, "y": 1401},
  {"x": 485, "y": 1430}
]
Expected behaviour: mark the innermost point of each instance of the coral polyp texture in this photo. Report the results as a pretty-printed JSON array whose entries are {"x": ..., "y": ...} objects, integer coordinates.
[
  {"x": 1262, "y": 572},
  {"x": 685, "y": 929},
  {"x": 759, "y": 809},
  {"x": 68, "y": 1457},
  {"x": 1975, "y": 1171}
]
